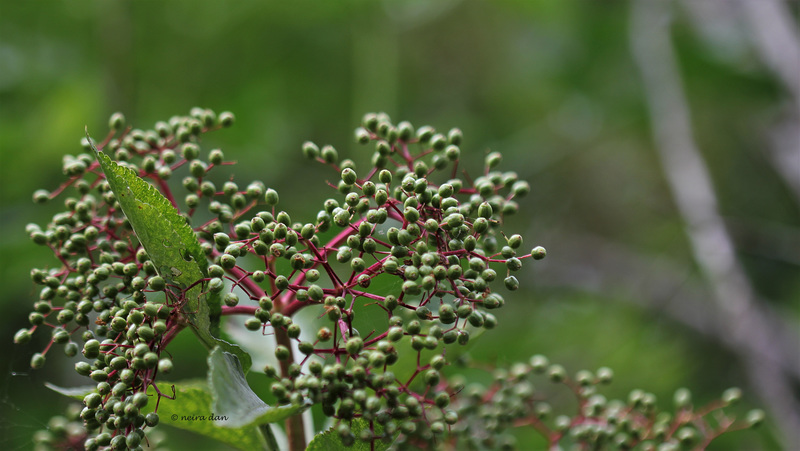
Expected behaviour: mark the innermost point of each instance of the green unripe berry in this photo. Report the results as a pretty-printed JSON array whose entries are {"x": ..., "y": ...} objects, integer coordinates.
[
  {"x": 454, "y": 272},
  {"x": 520, "y": 188},
  {"x": 116, "y": 122},
  {"x": 432, "y": 377},
  {"x": 463, "y": 337},
  {"x": 354, "y": 345},
  {"x": 682, "y": 398},
  {"x": 41, "y": 196},
  {"x": 584, "y": 378},
  {"x": 511, "y": 283},
  {"x": 605, "y": 375},
  {"x": 755, "y": 417},
  {"x": 310, "y": 150},
  {"x": 450, "y": 417},
  {"x": 438, "y": 141},
  {"x": 513, "y": 264},
  {"x": 265, "y": 302},
  {"x": 344, "y": 254},
  {"x": 65, "y": 316},
  {"x": 83, "y": 368},
  {"x": 282, "y": 352},
  {"x": 329, "y": 154},
  {"x": 157, "y": 283},
  {"x": 119, "y": 324},
  {"x": 140, "y": 399},
  {"x": 510, "y": 207},
  {"x": 538, "y": 253},
  {"x": 306, "y": 347},
  {"x": 361, "y": 135},
  {"x": 226, "y": 119},
  {"x": 93, "y": 400},
  {"x": 231, "y": 299},
  {"x": 349, "y": 176},
  {"x": 452, "y": 152},
  {"x": 22, "y": 336},
  {"x": 151, "y": 419},
  {"x": 60, "y": 336},
  {"x": 165, "y": 366},
  {"x": 410, "y": 287},
  {"x": 281, "y": 282},
  {"x": 394, "y": 333},
  {"x": 99, "y": 375},
  {"x": 731, "y": 396},
  {"x": 253, "y": 324},
  {"x": 135, "y": 317},
  {"x": 686, "y": 436},
  {"x": 293, "y": 330},
  {"x": 556, "y": 373},
  {"x": 493, "y": 159},
  {"x": 132, "y": 440},
  {"x": 160, "y": 326},
  {"x": 385, "y": 176},
  {"x": 539, "y": 363},
  {"x": 227, "y": 261},
  {"x": 216, "y": 285},
  {"x": 91, "y": 349},
  {"x": 515, "y": 241},
  {"x": 260, "y": 248},
  {"x": 271, "y": 197}
]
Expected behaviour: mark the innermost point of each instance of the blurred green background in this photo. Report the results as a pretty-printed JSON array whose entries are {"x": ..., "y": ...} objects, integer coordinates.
[{"x": 554, "y": 85}]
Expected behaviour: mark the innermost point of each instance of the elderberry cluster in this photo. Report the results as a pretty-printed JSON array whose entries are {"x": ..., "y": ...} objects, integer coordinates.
[
  {"x": 436, "y": 235},
  {"x": 436, "y": 242},
  {"x": 399, "y": 269},
  {"x": 523, "y": 396},
  {"x": 104, "y": 299}
]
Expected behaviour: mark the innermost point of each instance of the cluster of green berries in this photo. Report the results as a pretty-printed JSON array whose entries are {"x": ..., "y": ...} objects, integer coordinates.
[
  {"x": 440, "y": 238},
  {"x": 407, "y": 219},
  {"x": 105, "y": 303},
  {"x": 518, "y": 397},
  {"x": 398, "y": 268},
  {"x": 68, "y": 432}
]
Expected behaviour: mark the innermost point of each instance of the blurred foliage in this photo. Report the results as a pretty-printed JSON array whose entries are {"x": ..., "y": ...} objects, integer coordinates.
[{"x": 550, "y": 84}]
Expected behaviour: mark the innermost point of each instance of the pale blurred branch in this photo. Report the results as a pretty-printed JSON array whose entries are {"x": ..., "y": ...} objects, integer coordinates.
[
  {"x": 688, "y": 179},
  {"x": 776, "y": 40},
  {"x": 767, "y": 29},
  {"x": 659, "y": 285}
]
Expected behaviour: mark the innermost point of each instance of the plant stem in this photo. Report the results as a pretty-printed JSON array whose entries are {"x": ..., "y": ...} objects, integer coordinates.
[{"x": 295, "y": 429}]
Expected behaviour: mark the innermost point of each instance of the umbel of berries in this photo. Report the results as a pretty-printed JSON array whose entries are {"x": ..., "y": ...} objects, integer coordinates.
[{"x": 399, "y": 268}]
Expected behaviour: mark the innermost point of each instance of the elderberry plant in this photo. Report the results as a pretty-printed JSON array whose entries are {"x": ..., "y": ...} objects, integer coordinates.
[{"x": 400, "y": 270}]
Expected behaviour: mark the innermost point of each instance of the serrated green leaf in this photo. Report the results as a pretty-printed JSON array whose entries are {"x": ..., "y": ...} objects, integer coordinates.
[
  {"x": 233, "y": 397},
  {"x": 330, "y": 440},
  {"x": 191, "y": 410},
  {"x": 169, "y": 241},
  {"x": 173, "y": 248}
]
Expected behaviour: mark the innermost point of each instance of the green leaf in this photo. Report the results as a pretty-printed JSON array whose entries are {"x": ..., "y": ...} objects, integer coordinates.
[
  {"x": 169, "y": 241},
  {"x": 233, "y": 397},
  {"x": 191, "y": 410},
  {"x": 173, "y": 248},
  {"x": 331, "y": 441}
]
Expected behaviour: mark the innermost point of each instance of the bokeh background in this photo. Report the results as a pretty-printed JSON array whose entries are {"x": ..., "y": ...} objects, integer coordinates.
[{"x": 661, "y": 139}]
